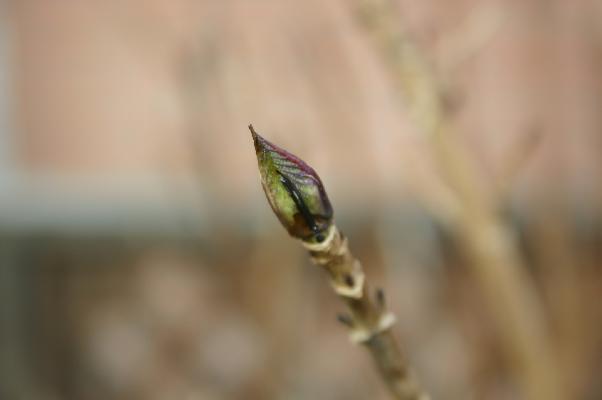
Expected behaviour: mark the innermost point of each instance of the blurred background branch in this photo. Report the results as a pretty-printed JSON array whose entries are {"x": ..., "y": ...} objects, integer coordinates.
[{"x": 480, "y": 230}]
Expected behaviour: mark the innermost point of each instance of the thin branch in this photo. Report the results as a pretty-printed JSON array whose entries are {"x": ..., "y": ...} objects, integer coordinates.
[
  {"x": 299, "y": 200},
  {"x": 368, "y": 320},
  {"x": 515, "y": 159},
  {"x": 478, "y": 29},
  {"x": 496, "y": 263}
]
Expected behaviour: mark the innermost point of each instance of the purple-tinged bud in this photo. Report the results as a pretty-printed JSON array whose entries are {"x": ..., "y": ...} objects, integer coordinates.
[{"x": 294, "y": 191}]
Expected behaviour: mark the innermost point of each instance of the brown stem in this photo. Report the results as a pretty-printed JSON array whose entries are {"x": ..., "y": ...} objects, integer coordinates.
[
  {"x": 369, "y": 321},
  {"x": 495, "y": 260}
]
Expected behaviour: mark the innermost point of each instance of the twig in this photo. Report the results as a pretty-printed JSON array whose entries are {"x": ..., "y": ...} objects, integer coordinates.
[
  {"x": 514, "y": 160},
  {"x": 297, "y": 197},
  {"x": 481, "y": 233},
  {"x": 369, "y": 321},
  {"x": 475, "y": 32}
]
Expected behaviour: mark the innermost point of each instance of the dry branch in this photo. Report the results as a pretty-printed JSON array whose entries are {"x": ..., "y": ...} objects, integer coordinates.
[{"x": 496, "y": 264}]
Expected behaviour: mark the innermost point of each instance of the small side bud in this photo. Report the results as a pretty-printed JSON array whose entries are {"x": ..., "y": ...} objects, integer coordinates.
[
  {"x": 380, "y": 298},
  {"x": 346, "y": 320},
  {"x": 294, "y": 191}
]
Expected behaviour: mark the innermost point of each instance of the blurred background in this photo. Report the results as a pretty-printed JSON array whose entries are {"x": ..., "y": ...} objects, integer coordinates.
[{"x": 460, "y": 143}]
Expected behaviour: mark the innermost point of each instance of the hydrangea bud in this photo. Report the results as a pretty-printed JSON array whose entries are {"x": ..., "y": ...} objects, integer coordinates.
[{"x": 294, "y": 191}]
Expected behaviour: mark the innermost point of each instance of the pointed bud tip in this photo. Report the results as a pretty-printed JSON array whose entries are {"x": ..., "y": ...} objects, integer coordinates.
[
  {"x": 256, "y": 138},
  {"x": 293, "y": 189}
]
